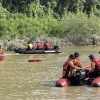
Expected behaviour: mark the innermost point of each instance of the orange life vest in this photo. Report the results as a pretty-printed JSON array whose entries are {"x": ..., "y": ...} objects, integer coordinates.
[
  {"x": 68, "y": 68},
  {"x": 78, "y": 63}
]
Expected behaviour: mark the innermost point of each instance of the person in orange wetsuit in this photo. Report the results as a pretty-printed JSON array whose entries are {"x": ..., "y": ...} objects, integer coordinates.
[
  {"x": 38, "y": 45},
  {"x": 1, "y": 50},
  {"x": 78, "y": 62},
  {"x": 46, "y": 45},
  {"x": 69, "y": 67},
  {"x": 95, "y": 65}
]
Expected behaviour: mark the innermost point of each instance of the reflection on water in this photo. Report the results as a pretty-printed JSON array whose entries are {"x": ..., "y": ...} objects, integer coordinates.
[
  {"x": 23, "y": 80},
  {"x": 98, "y": 93}
]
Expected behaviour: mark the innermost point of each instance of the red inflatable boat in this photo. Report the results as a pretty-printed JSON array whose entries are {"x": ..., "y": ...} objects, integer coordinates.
[
  {"x": 2, "y": 57},
  {"x": 79, "y": 79},
  {"x": 63, "y": 82},
  {"x": 96, "y": 82}
]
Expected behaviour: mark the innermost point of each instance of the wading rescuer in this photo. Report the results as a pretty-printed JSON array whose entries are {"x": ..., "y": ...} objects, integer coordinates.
[
  {"x": 95, "y": 65},
  {"x": 69, "y": 68}
]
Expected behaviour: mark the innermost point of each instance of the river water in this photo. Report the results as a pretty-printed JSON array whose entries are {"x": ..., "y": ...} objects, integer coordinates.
[{"x": 23, "y": 80}]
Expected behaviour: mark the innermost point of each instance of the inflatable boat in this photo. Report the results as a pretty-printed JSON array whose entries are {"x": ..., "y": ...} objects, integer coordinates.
[
  {"x": 76, "y": 80},
  {"x": 42, "y": 51},
  {"x": 79, "y": 79},
  {"x": 93, "y": 82},
  {"x": 2, "y": 57}
]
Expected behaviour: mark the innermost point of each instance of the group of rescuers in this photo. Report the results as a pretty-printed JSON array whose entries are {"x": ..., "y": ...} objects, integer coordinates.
[
  {"x": 38, "y": 46},
  {"x": 73, "y": 63}
]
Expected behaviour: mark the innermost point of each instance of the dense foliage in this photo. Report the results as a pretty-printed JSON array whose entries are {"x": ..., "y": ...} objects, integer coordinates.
[
  {"x": 57, "y": 18},
  {"x": 51, "y": 8}
]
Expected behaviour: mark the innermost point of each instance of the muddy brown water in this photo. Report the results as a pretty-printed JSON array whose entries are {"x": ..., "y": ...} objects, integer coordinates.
[{"x": 23, "y": 80}]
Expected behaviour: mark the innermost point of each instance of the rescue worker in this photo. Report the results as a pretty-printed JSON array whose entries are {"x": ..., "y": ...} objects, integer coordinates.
[
  {"x": 38, "y": 45},
  {"x": 46, "y": 45},
  {"x": 78, "y": 62},
  {"x": 69, "y": 68},
  {"x": 29, "y": 46},
  {"x": 1, "y": 50},
  {"x": 95, "y": 66}
]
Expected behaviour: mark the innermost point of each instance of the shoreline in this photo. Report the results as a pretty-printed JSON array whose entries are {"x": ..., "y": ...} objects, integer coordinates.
[{"x": 10, "y": 44}]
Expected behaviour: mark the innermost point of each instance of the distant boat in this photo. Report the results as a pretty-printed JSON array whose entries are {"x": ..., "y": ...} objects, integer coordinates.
[{"x": 42, "y": 51}]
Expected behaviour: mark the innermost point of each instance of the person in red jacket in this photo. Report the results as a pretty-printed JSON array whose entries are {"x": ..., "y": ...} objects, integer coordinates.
[
  {"x": 46, "y": 45},
  {"x": 95, "y": 65},
  {"x": 38, "y": 45}
]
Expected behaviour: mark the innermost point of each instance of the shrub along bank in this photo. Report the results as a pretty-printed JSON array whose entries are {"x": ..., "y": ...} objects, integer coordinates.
[
  {"x": 62, "y": 42},
  {"x": 73, "y": 29}
]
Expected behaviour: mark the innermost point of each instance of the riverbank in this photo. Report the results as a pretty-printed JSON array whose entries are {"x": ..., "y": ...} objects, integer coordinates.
[
  {"x": 73, "y": 29},
  {"x": 10, "y": 44}
]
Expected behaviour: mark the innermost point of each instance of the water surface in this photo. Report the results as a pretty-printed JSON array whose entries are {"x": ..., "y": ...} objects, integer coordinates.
[{"x": 23, "y": 80}]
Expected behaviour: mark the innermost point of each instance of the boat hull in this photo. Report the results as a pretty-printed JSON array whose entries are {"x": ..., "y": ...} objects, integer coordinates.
[
  {"x": 23, "y": 51},
  {"x": 63, "y": 82},
  {"x": 96, "y": 82}
]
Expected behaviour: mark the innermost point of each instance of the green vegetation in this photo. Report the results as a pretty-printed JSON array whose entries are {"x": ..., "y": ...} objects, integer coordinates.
[{"x": 68, "y": 20}]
